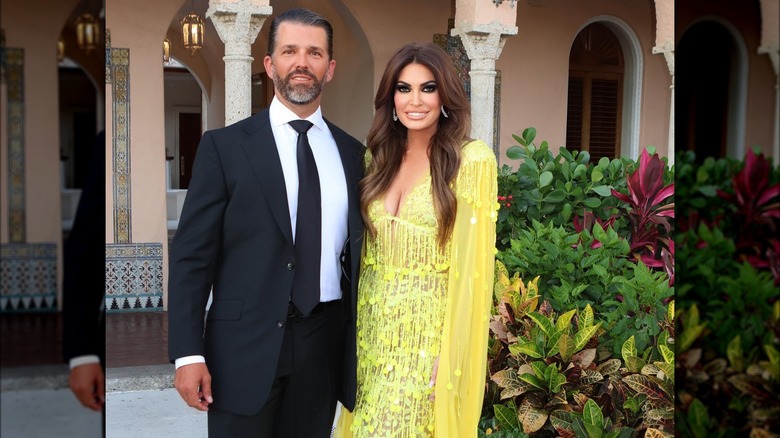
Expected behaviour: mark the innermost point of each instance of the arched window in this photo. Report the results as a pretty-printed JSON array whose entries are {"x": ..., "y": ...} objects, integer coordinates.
[{"x": 595, "y": 97}]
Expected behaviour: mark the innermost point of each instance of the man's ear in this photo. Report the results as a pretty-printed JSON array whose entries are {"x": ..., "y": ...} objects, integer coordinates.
[
  {"x": 331, "y": 70},
  {"x": 269, "y": 66}
]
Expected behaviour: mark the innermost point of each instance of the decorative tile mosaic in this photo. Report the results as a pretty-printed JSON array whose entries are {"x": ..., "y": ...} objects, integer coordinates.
[
  {"x": 454, "y": 47},
  {"x": 134, "y": 277},
  {"x": 13, "y": 60},
  {"x": 28, "y": 277},
  {"x": 108, "y": 57},
  {"x": 120, "y": 72}
]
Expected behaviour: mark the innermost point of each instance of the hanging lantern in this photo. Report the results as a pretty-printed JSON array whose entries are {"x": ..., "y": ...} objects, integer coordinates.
[
  {"x": 60, "y": 50},
  {"x": 166, "y": 50},
  {"x": 87, "y": 31},
  {"x": 192, "y": 32}
]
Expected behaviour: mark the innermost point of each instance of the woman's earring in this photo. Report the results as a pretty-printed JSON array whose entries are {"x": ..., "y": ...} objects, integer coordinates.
[
  {"x": 395, "y": 116},
  {"x": 444, "y": 113}
]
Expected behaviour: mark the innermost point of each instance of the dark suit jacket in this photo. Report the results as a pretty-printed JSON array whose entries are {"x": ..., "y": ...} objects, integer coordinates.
[
  {"x": 84, "y": 264},
  {"x": 235, "y": 234}
]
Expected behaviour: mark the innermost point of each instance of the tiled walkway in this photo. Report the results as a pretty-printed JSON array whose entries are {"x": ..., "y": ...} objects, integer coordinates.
[
  {"x": 136, "y": 338},
  {"x": 30, "y": 339},
  {"x": 132, "y": 339}
]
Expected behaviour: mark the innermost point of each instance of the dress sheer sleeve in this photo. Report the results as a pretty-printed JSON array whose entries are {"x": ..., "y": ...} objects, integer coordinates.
[{"x": 460, "y": 383}]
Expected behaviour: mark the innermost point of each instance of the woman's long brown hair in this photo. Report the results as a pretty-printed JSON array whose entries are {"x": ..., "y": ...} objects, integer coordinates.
[{"x": 387, "y": 139}]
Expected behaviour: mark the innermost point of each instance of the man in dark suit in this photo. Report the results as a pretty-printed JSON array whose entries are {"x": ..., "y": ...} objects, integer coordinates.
[
  {"x": 84, "y": 286},
  {"x": 272, "y": 202}
]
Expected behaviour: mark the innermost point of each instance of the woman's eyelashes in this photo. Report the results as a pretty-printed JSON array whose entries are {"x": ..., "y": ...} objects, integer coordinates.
[{"x": 428, "y": 87}]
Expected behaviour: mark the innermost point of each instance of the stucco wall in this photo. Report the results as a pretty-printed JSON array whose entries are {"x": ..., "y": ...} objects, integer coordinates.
[
  {"x": 744, "y": 22},
  {"x": 535, "y": 66}
]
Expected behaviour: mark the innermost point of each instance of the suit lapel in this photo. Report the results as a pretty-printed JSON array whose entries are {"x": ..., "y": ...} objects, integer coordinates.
[{"x": 260, "y": 149}]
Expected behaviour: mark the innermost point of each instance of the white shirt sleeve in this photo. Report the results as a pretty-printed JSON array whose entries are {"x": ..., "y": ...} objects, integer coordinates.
[
  {"x": 83, "y": 360},
  {"x": 188, "y": 360}
]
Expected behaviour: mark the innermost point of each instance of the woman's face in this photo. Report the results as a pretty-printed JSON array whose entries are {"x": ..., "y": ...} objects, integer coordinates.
[{"x": 417, "y": 101}]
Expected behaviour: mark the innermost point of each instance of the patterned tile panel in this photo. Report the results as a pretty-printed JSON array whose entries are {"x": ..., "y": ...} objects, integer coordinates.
[
  {"x": 13, "y": 66},
  {"x": 134, "y": 277},
  {"x": 120, "y": 72},
  {"x": 28, "y": 277}
]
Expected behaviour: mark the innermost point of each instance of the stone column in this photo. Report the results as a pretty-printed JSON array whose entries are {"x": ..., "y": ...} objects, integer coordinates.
[
  {"x": 483, "y": 44},
  {"x": 238, "y": 24},
  {"x": 664, "y": 44}
]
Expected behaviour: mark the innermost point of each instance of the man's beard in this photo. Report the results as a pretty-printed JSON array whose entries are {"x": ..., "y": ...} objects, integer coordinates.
[{"x": 300, "y": 94}]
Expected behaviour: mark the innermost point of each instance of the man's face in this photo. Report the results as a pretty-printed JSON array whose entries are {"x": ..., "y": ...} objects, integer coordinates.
[{"x": 300, "y": 66}]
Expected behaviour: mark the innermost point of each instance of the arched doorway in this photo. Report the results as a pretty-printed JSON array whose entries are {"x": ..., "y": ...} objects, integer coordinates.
[
  {"x": 595, "y": 95},
  {"x": 708, "y": 76}
]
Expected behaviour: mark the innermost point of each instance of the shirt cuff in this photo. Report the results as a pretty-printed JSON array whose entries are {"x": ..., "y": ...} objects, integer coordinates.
[
  {"x": 87, "y": 359},
  {"x": 188, "y": 360}
]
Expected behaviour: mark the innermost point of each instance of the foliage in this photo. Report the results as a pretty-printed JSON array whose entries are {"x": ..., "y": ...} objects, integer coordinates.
[
  {"x": 728, "y": 278},
  {"x": 574, "y": 274},
  {"x": 649, "y": 212},
  {"x": 547, "y": 378},
  {"x": 741, "y": 391},
  {"x": 554, "y": 188}
]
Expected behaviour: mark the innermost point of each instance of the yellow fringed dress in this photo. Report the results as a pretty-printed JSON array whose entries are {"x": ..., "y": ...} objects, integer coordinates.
[{"x": 418, "y": 301}]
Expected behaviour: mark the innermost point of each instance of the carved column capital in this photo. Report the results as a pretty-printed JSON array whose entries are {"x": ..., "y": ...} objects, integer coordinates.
[
  {"x": 668, "y": 51},
  {"x": 237, "y": 25},
  {"x": 483, "y": 42}
]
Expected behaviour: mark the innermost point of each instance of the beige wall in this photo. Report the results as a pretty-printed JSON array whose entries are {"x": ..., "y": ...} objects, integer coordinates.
[
  {"x": 534, "y": 67},
  {"x": 743, "y": 21},
  {"x": 37, "y": 34}
]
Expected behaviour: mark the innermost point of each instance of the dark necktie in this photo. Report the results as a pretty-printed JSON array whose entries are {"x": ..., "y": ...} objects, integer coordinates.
[{"x": 306, "y": 278}]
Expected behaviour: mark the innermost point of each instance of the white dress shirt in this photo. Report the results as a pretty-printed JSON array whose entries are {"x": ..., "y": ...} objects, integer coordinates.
[{"x": 333, "y": 189}]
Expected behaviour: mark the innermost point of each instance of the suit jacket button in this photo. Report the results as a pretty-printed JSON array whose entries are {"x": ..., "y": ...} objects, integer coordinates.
[
  {"x": 280, "y": 324},
  {"x": 290, "y": 266}
]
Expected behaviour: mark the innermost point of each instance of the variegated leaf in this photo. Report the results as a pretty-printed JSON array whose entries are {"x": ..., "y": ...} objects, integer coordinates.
[
  {"x": 586, "y": 317},
  {"x": 611, "y": 366},
  {"x": 563, "y": 321},
  {"x": 583, "y": 336},
  {"x": 670, "y": 311},
  {"x": 628, "y": 349},
  {"x": 527, "y": 348},
  {"x": 506, "y": 416},
  {"x": 580, "y": 399},
  {"x": 563, "y": 422},
  {"x": 591, "y": 415},
  {"x": 531, "y": 418},
  {"x": 585, "y": 357},
  {"x": 666, "y": 370},
  {"x": 644, "y": 385},
  {"x": 516, "y": 388},
  {"x": 655, "y": 433},
  {"x": 590, "y": 376},
  {"x": 716, "y": 367},
  {"x": 757, "y": 432},
  {"x": 543, "y": 322},
  {"x": 634, "y": 363},
  {"x": 649, "y": 370},
  {"x": 557, "y": 399},
  {"x": 660, "y": 414},
  {"x": 667, "y": 353},
  {"x": 566, "y": 346},
  {"x": 505, "y": 378}
]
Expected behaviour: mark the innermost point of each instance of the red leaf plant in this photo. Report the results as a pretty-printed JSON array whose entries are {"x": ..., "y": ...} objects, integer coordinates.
[
  {"x": 649, "y": 214},
  {"x": 757, "y": 213}
]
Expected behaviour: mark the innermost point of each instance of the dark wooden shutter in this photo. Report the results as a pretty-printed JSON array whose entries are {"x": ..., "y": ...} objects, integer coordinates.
[
  {"x": 574, "y": 113},
  {"x": 604, "y": 118}
]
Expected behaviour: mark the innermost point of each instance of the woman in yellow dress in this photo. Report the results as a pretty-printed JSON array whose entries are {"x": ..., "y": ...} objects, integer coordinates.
[{"x": 429, "y": 203}]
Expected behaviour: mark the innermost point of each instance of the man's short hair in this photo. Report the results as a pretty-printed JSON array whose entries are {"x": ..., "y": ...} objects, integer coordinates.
[{"x": 304, "y": 17}]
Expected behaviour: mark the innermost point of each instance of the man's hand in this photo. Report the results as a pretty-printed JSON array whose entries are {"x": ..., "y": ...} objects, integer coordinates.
[
  {"x": 88, "y": 385},
  {"x": 193, "y": 382}
]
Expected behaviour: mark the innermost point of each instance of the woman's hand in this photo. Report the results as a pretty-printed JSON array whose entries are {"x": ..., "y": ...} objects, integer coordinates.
[{"x": 433, "y": 378}]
